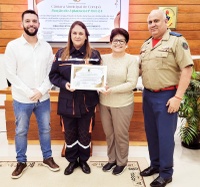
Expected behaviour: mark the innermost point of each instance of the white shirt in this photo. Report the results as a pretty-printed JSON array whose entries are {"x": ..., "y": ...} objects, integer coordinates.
[{"x": 28, "y": 68}]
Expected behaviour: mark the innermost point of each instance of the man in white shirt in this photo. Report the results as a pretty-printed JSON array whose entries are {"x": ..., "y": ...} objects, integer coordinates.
[{"x": 28, "y": 62}]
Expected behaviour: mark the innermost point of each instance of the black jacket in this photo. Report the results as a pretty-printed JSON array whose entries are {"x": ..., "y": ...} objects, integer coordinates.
[{"x": 73, "y": 104}]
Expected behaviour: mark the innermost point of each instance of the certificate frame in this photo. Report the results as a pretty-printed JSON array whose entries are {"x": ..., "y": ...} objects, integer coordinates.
[{"x": 88, "y": 77}]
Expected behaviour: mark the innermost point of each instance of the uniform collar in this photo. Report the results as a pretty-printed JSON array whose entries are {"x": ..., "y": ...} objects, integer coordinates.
[
  {"x": 82, "y": 49},
  {"x": 164, "y": 38},
  {"x": 166, "y": 35}
]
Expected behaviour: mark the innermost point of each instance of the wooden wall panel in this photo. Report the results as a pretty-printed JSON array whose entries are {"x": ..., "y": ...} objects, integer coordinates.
[
  {"x": 180, "y": 26},
  {"x": 12, "y": 2},
  {"x": 12, "y": 8},
  {"x": 11, "y": 25},
  {"x": 10, "y": 17},
  {"x": 188, "y": 22},
  {"x": 12, "y": 34},
  {"x": 164, "y": 2},
  {"x": 145, "y": 9},
  {"x": 3, "y": 42},
  {"x": 181, "y": 18}
]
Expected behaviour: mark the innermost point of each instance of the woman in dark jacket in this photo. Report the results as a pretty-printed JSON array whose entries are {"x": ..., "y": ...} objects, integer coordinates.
[{"x": 76, "y": 107}]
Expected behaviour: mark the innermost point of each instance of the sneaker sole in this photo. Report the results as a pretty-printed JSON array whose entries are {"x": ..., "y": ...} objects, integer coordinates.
[
  {"x": 109, "y": 169},
  {"x": 120, "y": 172},
  {"x": 52, "y": 169},
  {"x": 18, "y": 176}
]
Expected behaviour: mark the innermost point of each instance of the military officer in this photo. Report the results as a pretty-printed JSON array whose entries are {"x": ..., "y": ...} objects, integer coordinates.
[{"x": 166, "y": 68}]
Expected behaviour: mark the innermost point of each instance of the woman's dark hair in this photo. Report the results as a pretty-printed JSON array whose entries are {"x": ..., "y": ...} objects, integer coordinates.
[
  {"x": 28, "y": 12},
  {"x": 120, "y": 31},
  {"x": 66, "y": 52}
]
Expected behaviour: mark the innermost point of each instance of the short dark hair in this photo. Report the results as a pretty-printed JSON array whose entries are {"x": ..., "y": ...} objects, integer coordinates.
[
  {"x": 28, "y": 12},
  {"x": 120, "y": 31}
]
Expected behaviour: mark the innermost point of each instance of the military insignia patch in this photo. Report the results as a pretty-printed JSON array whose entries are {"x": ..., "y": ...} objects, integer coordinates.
[{"x": 185, "y": 45}]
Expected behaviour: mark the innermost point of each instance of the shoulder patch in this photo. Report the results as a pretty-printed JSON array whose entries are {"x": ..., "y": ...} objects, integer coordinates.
[
  {"x": 185, "y": 45},
  {"x": 175, "y": 34}
]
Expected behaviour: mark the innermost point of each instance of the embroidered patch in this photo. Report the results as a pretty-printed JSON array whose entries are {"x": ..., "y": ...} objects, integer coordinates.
[{"x": 185, "y": 45}]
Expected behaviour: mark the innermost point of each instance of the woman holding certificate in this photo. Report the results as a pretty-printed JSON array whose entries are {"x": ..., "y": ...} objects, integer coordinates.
[
  {"x": 116, "y": 101},
  {"x": 76, "y": 107}
]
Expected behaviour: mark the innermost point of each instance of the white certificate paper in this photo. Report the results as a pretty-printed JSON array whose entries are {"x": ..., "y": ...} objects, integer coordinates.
[{"x": 88, "y": 77}]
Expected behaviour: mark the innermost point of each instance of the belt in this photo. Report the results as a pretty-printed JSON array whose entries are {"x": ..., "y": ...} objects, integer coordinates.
[{"x": 164, "y": 89}]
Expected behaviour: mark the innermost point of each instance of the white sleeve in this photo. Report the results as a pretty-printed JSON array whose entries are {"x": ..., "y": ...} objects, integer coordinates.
[
  {"x": 11, "y": 71},
  {"x": 46, "y": 85}
]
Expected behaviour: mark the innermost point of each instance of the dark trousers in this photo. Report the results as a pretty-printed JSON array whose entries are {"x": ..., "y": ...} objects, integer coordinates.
[
  {"x": 78, "y": 136},
  {"x": 160, "y": 127}
]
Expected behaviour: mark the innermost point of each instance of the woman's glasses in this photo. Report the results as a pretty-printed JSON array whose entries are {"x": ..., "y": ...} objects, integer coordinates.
[{"x": 121, "y": 42}]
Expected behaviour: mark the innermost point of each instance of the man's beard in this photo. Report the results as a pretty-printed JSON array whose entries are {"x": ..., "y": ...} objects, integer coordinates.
[{"x": 31, "y": 33}]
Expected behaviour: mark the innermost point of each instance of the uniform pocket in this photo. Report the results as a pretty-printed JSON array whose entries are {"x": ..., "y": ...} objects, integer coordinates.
[
  {"x": 162, "y": 60},
  {"x": 65, "y": 106}
]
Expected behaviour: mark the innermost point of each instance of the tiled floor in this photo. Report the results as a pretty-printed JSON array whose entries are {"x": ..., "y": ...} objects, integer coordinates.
[{"x": 186, "y": 169}]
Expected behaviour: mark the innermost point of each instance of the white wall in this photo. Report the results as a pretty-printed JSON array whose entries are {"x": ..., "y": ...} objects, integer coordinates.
[{"x": 3, "y": 82}]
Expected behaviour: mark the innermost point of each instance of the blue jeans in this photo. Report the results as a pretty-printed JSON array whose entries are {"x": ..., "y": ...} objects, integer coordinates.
[{"x": 23, "y": 113}]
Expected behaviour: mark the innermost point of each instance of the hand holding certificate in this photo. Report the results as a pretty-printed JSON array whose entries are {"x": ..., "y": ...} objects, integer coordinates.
[{"x": 88, "y": 77}]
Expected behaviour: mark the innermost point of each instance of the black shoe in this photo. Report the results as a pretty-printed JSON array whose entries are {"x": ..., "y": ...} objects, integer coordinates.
[
  {"x": 149, "y": 171},
  {"x": 20, "y": 168},
  {"x": 70, "y": 168},
  {"x": 85, "y": 167},
  {"x": 160, "y": 182},
  {"x": 109, "y": 166},
  {"x": 118, "y": 170}
]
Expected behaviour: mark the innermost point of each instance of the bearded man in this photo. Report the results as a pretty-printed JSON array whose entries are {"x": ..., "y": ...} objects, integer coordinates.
[{"x": 28, "y": 62}]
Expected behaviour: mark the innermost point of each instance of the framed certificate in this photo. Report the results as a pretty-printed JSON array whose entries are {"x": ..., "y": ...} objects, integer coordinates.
[{"x": 88, "y": 77}]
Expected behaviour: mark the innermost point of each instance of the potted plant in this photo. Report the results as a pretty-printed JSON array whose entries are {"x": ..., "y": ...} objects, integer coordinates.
[{"x": 189, "y": 112}]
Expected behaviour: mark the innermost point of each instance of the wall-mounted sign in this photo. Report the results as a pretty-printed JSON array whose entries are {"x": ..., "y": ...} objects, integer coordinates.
[
  {"x": 171, "y": 13},
  {"x": 100, "y": 17}
]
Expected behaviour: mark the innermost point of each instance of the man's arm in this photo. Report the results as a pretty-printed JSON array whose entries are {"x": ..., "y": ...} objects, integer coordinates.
[
  {"x": 46, "y": 85},
  {"x": 184, "y": 81},
  {"x": 174, "y": 103},
  {"x": 10, "y": 65}
]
